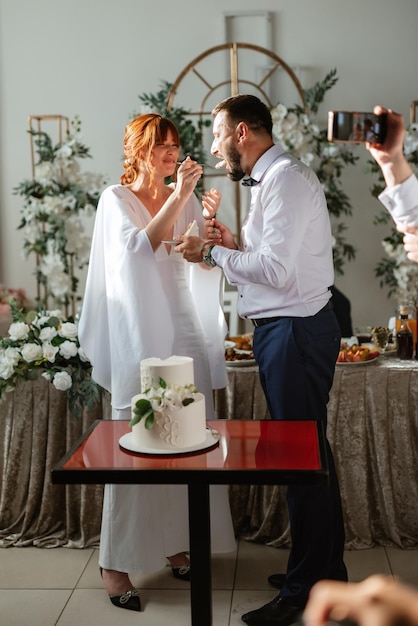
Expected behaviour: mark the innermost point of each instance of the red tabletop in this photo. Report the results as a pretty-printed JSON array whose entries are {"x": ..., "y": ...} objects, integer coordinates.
[{"x": 249, "y": 451}]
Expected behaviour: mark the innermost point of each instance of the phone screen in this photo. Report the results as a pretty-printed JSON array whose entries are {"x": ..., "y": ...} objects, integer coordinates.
[{"x": 354, "y": 127}]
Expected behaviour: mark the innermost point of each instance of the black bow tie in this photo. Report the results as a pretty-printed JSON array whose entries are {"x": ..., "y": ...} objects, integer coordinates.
[{"x": 249, "y": 182}]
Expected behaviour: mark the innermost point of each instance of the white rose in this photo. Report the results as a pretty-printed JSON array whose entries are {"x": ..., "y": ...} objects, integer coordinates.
[
  {"x": 31, "y": 352},
  {"x": 6, "y": 369},
  {"x": 18, "y": 330},
  {"x": 8, "y": 359},
  {"x": 47, "y": 333},
  {"x": 62, "y": 381},
  {"x": 157, "y": 404},
  {"x": 12, "y": 355},
  {"x": 49, "y": 351},
  {"x": 83, "y": 356},
  {"x": 40, "y": 321},
  {"x": 68, "y": 330},
  {"x": 68, "y": 349}
]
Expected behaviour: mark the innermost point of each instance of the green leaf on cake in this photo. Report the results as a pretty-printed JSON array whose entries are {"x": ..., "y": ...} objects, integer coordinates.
[
  {"x": 187, "y": 401},
  {"x": 143, "y": 410},
  {"x": 149, "y": 421}
]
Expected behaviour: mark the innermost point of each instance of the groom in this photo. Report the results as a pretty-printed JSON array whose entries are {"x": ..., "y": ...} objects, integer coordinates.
[{"x": 283, "y": 269}]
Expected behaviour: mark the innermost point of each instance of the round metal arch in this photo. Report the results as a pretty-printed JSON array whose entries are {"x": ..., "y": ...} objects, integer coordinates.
[{"x": 234, "y": 79}]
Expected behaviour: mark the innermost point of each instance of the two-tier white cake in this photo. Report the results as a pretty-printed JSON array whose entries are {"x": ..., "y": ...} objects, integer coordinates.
[{"x": 173, "y": 428}]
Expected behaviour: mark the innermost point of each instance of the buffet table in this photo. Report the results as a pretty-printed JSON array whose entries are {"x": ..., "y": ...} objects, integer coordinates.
[{"x": 372, "y": 428}]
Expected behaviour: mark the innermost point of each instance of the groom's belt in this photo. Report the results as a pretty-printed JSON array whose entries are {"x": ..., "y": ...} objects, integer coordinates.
[{"x": 260, "y": 321}]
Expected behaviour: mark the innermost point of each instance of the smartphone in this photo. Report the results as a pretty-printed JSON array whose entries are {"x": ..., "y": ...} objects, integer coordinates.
[{"x": 354, "y": 127}]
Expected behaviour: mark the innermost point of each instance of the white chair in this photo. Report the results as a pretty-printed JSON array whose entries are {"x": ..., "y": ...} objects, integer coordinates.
[{"x": 230, "y": 299}]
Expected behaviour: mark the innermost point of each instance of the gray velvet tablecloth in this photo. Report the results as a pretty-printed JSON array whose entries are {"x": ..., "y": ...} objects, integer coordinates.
[
  {"x": 36, "y": 430},
  {"x": 372, "y": 428}
]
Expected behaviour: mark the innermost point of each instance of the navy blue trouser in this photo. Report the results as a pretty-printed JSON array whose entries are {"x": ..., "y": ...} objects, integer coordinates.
[{"x": 296, "y": 358}]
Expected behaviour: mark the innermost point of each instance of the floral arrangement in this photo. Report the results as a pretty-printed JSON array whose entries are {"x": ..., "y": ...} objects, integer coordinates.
[
  {"x": 56, "y": 202},
  {"x": 297, "y": 129},
  {"x": 396, "y": 271},
  {"x": 45, "y": 343},
  {"x": 160, "y": 398}
]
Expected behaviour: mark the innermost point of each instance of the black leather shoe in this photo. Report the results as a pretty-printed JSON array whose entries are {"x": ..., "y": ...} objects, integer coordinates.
[
  {"x": 277, "y": 580},
  {"x": 182, "y": 572},
  {"x": 129, "y": 600},
  {"x": 278, "y": 612}
]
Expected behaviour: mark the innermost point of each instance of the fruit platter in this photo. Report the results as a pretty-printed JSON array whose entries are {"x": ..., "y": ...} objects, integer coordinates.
[{"x": 356, "y": 354}]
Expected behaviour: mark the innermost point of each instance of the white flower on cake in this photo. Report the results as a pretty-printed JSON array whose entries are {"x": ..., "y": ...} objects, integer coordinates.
[{"x": 159, "y": 399}]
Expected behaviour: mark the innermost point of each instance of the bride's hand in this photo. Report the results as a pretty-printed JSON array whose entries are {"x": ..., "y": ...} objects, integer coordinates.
[{"x": 188, "y": 174}]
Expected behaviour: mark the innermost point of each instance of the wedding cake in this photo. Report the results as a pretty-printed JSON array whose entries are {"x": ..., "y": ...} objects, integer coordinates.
[{"x": 170, "y": 410}]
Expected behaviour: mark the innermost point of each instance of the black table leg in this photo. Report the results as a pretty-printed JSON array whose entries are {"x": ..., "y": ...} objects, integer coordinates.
[{"x": 200, "y": 555}]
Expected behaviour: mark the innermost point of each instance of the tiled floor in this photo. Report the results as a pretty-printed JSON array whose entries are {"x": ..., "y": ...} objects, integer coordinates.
[{"x": 45, "y": 587}]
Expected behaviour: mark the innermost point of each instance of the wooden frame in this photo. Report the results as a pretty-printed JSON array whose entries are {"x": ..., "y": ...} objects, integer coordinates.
[{"x": 413, "y": 112}]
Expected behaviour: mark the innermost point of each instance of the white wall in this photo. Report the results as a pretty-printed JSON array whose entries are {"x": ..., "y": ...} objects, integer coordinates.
[{"x": 92, "y": 59}]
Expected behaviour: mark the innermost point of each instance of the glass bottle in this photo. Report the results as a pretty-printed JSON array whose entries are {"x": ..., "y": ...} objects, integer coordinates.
[{"x": 404, "y": 337}]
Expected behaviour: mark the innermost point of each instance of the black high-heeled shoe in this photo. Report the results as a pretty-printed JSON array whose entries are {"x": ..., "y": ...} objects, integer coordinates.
[
  {"x": 129, "y": 600},
  {"x": 182, "y": 572}
]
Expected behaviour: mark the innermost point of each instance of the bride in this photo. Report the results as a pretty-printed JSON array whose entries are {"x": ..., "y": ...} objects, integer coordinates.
[{"x": 144, "y": 300}]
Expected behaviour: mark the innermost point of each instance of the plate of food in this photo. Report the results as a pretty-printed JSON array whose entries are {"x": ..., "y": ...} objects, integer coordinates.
[
  {"x": 357, "y": 355},
  {"x": 357, "y": 363},
  {"x": 239, "y": 358},
  {"x": 243, "y": 342}
]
